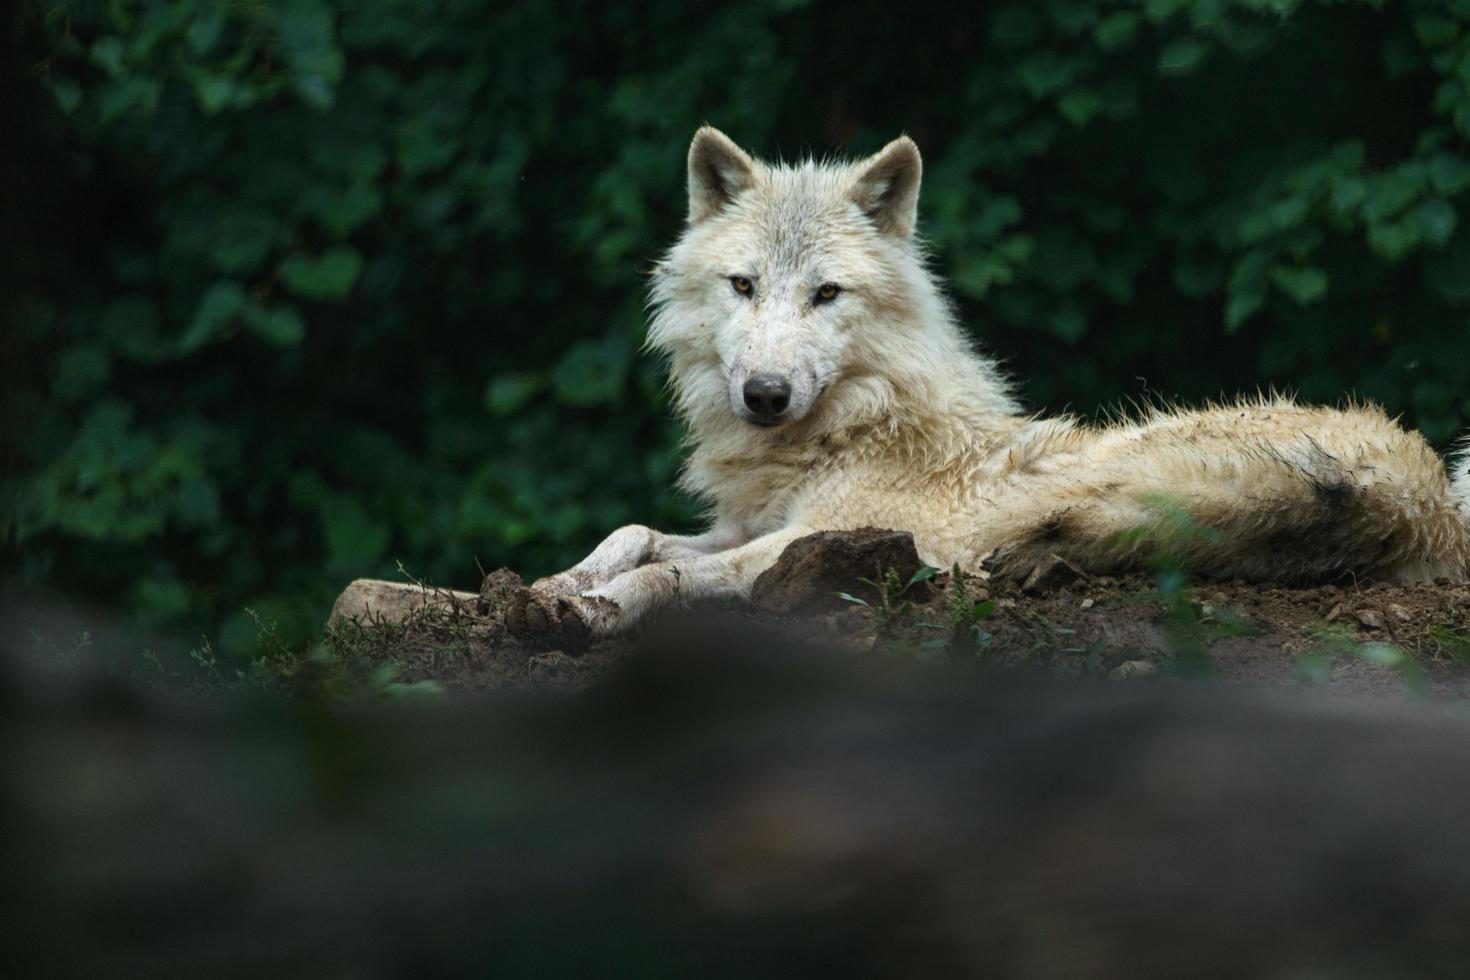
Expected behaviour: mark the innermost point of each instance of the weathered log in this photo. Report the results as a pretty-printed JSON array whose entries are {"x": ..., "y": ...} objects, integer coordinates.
[{"x": 376, "y": 600}]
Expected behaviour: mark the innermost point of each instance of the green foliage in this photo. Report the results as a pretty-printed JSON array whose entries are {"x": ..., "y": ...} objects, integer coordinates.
[{"x": 336, "y": 284}]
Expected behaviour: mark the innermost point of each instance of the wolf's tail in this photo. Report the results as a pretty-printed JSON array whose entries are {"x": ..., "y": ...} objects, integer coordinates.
[{"x": 1460, "y": 477}]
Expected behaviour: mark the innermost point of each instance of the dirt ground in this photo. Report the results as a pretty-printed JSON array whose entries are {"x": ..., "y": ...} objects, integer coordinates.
[{"x": 865, "y": 595}]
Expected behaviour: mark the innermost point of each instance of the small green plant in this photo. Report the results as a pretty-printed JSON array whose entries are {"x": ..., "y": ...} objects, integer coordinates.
[
  {"x": 68, "y": 656},
  {"x": 966, "y": 614},
  {"x": 1335, "y": 643},
  {"x": 1453, "y": 642},
  {"x": 890, "y": 589},
  {"x": 1188, "y": 645}
]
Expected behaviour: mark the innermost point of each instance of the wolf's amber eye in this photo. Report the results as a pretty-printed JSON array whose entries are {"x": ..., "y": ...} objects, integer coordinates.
[
  {"x": 827, "y": 292},
  {"x": 742, "y": 285}
]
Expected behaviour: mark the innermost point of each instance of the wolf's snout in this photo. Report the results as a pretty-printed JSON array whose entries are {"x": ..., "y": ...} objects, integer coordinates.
[{"x": 767, "y": 397}]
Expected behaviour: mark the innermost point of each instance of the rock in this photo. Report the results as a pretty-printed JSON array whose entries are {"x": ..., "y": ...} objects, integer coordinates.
[
  {"x": 1133, "y": 668},
  {"x": 812, "y": 570},
  {"x": 376, "y": 600},
  {"x": 1087, "y": 603},
  {"x": 497, "y": 590},
  {"x": 1371, "y": 618},
  {"x": 1399, "y": 612},
  {"x": 1051, "y": 573}
]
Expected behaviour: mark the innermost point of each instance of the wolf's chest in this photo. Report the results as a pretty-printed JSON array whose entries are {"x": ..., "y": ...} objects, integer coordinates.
[{"x": 755, "y": 496}]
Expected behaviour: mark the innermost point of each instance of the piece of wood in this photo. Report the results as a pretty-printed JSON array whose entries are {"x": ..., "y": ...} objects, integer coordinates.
[{"x": 375, "y": 599}]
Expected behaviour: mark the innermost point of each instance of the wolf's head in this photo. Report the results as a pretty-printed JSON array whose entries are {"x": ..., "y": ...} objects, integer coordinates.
[{"x": 792, "y": 283}]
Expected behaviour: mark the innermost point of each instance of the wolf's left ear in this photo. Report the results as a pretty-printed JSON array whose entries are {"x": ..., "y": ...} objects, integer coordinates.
[
  {"x": 718, "y": 171},
  {"x": 887, "y": 187}
]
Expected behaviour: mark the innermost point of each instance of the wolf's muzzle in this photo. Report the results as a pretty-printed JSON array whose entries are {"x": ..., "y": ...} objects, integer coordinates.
[{"x": 767, "y": 397}]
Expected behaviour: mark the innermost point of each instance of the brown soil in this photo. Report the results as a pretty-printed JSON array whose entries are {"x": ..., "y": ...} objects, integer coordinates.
[{"x": 1349, "y": 638}]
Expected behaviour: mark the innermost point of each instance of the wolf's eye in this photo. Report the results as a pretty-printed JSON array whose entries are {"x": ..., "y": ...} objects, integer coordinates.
[
  {"x": 826, "y": 292},
  {"x": 742, "y": 285}
]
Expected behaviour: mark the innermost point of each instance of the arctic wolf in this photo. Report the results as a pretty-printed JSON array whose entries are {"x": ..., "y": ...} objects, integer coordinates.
[{"x": 826, "y": 385}]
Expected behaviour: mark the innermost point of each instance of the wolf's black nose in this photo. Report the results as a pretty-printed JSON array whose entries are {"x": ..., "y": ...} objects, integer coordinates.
[{"x": 767, "y": 395}]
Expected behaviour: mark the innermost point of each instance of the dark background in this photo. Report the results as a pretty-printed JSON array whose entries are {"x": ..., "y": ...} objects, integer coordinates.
[{"x": 296, "y": 291}]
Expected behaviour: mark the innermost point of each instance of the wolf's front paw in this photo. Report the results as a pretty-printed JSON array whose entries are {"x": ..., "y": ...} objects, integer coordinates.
[
  {"x": 562, "y": 584},
  {"x": 560, "y": 622}
]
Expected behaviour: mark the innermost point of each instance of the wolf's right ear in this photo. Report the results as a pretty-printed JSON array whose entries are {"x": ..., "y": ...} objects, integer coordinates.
[{"x": 718, "y": 171}]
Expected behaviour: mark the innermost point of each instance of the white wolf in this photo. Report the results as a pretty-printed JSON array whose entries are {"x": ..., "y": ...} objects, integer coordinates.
[{"x": 826, "y": 386}]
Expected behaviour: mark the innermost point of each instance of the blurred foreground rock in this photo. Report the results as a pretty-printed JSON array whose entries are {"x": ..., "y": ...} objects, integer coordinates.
[{"x": 730, "y": 806}]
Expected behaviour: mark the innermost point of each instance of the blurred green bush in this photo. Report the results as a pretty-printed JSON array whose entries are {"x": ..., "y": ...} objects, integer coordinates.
[{"x": 329, "y": 285}]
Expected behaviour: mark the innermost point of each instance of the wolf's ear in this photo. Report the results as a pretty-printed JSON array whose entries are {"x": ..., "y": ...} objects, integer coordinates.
[
  {"x": 718, "y": 171},
  {"x": 887, "y": 187}
]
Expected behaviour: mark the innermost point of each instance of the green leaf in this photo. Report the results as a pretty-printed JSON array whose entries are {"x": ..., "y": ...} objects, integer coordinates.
[
  {"x": 423, "y": 148},
  {"x": 1393, "y": 191},
  {"x": 68, "y": 94},
  {"x": 218, "y": 309},
  {"x": 1079, "y": 106},
  {"x": 196, "y": 504},
  {"x": 1116, "y": 30},
  {"x": 848, "y": 597},
  {"x": 1016, "y": 25},
  {"x": 1434, "y": 31},
  {"x": 80, "y": 371},
  {"x": 1447, "y": 272},
  {"x": 412, "y": 690},
  {"x": 1304, "y": 285},
  {"x": 592, "y": 372},
  {"x": 1240, "y": 308},
  {"x": 1159, "y": 11},
  {"x": 279, "y": 326},
  {"x": 1449, "y": 174},
  {"x": 129, "y": 96},
  {"x": 108, "y": 53},
  {"x": 309, "y": 46},
  {"x": 328, "y": 276},
  {"x": 355, "y": 540},
  {"x": 1069, "y": 324},
  {"x": 131, "y": 325},
  {"x": 1047, "y": 73},
  {"x": 214, "y": 92},
  {"x": 1247, "y": 287},
  {"x": 206, "y": 26},
  {"x": 1393, "y": 239},
  {"x": 1198, "y": 274},
  {"x": 239, "y": 239},
  {"x": 507, "y": 392},
  {"x": 342, "y": 210},
  {"x": 1435, "y": 219},
  {"x": 924, "y": 574},
  {"x": 1183, "y": 55}
]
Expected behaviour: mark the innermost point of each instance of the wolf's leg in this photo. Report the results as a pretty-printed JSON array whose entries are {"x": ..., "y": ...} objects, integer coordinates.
[
  {"x": 629, "y": 547},
  {"x": 626, "y": 599}
]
